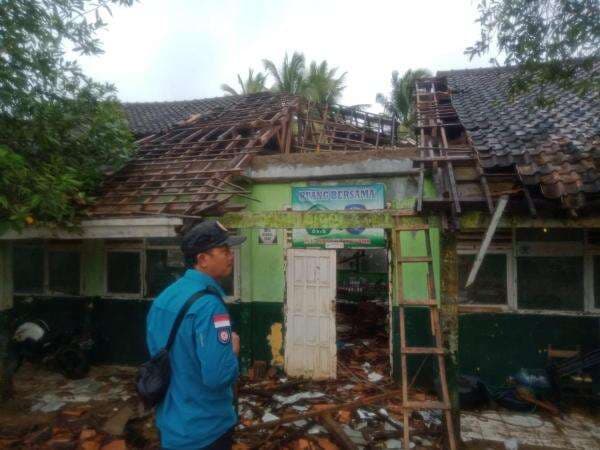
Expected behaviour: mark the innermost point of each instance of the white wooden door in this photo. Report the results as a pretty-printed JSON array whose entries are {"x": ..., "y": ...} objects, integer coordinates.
[{"x": 310, "y": 349}]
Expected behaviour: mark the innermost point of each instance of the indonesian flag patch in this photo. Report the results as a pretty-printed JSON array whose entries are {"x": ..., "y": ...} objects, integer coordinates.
[
  {"x": 222, "y": 324},
  {"x": 221, "y": 320}
]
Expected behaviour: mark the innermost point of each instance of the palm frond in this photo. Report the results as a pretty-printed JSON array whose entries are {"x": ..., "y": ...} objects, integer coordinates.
[
  {"x": 228, "y": 89},
  {"x": 272, "y": 70},
  {"x": 322, "y": 84}
]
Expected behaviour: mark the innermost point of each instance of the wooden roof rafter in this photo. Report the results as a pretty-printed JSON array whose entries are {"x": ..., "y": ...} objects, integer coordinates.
[{"x": 191, "y": 167}]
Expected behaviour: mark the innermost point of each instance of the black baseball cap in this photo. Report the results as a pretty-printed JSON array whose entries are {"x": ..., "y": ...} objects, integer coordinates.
[{"x": 206, "y": 235}]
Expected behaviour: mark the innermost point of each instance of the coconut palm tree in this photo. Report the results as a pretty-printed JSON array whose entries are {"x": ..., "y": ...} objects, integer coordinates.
[
  {"x": 289, "y": 77},
  {"x": 251, "y": 85},
  {"x": 399, "y": 103},
  {"x": 322, "y": 85}
]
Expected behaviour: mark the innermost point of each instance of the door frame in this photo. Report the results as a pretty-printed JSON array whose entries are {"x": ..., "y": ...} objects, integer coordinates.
[{"x": 289, "y": 292}]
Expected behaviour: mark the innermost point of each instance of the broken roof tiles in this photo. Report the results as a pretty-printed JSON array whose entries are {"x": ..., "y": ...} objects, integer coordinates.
[
  {"x": 190, "y": 168},
  {"x": 556, "y": 148},
  {"x": 153, "y": 117}
]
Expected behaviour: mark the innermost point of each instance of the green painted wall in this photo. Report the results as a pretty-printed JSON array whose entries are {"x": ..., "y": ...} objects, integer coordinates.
[
  {"x": 262, "y": 266},
  {"x": 5, "y": 275},
  {"x": 495, "y": 346},
  {"x": 420, "y": 368},
  {"x": 263, "y": 271},
  {"x": 414, "y": 275},
  {"x": 119, "y": 325},
  {"x": 262, "y": 276}
]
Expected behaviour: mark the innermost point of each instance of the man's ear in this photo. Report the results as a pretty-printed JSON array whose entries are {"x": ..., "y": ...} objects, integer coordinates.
[{"x": 200, "y": 259}]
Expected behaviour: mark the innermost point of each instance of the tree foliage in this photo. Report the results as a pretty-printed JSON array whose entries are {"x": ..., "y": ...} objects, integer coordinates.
[
  {"x": 58, "y": 128},
  {"x": 551, "y": 41},
  {"x": 399, "y": 103},
  {"x": 289, "y": 76},
  {"x": 251, "y": 85},
  {"x": 322, "y": 84},
  {"x": 319, "y": 84}
]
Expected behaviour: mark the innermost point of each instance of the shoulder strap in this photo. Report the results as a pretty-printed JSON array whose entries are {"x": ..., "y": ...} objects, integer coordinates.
[{"x": 183, "y": 311}]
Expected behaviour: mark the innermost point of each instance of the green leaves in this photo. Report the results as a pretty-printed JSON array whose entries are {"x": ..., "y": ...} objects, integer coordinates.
[
  {"x": 58, "y": 129},
  {"x": 319, "y": 84},
  {"x": 251, "y": 85},
  {"x": 289, "y": 77},
  {"x": 550, "y": 41},
  {"x": 400, "y": 102}
]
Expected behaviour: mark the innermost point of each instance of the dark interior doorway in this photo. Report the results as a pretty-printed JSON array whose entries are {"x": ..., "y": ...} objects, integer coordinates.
[{"x": 362, "y": 309}]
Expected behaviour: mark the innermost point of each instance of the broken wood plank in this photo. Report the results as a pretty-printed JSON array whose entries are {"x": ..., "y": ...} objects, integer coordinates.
[
  {"x": 489, "y": 234},
  {"x": 526, "y": 395},
  {"x": 338, "y": 435}
]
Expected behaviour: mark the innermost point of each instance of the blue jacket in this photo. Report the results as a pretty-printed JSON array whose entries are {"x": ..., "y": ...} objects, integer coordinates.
[{"x": 198, "y": 407}]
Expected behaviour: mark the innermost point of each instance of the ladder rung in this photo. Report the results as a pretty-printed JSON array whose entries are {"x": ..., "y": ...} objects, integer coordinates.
[
  {"x": 414, "y": 259},
  {"x": 422, "y": 350},
  {"x": 427, "y": 303},
  {"x": 425, "y": 405}
]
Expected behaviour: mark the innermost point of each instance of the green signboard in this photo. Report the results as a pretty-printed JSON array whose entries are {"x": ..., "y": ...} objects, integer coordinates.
[{"x": 338, "y": 198}]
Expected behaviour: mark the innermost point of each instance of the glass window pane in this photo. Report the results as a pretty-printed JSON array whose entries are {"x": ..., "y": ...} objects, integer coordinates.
[
  {"x": 64, "y": 272},
  {"x": 123, "y": 273},
  {"x": 28, "y": 269},
  {"x": 489, "y": 287},
  {"x": 550, "y": 283},
  {"x": 163, "y": 267}
]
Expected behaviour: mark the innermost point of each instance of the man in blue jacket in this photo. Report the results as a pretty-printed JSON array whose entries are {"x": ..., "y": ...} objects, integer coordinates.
[{"x": 197, "y": 411}]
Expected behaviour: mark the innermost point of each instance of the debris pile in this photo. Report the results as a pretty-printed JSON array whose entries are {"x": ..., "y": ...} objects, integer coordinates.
[
  {"x": 99, "y": 412},
  {"x": 342, "y": 414},
  {"x": 358, "y": 410},
  {"x": 363, "y": 341}
]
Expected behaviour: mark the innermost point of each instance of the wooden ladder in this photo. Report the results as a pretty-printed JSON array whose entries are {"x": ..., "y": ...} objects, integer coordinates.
[{"x": 405, "y": 349}]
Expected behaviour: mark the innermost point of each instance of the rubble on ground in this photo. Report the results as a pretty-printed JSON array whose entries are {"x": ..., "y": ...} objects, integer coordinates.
[
  {"x": 101, "y": 412},
  {"x": 362, "y": 408}
]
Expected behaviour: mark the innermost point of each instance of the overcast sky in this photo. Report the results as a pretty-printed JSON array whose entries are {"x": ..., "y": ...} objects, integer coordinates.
[{"x": 185, "y": 49}]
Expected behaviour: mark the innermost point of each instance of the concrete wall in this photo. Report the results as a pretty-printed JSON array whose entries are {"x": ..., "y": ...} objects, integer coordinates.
[
  {"x": 263, "y": 266},
  {"x": 494, "y": 346}
]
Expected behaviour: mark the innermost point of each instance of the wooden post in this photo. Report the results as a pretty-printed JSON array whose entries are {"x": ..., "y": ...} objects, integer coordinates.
[{"x": 450, "y": 319}]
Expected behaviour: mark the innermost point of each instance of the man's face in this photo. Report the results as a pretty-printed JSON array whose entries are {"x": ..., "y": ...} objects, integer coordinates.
[{"x": 216, "y": 262}]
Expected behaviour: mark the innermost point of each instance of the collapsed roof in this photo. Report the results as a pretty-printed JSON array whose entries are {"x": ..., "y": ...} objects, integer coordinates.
[
  {"x": 192, "y": 167},
  {"x": 555, "y": 149},
  {"x": 479, "y": 144}
]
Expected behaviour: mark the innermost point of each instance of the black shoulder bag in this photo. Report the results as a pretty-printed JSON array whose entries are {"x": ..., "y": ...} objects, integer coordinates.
[{"x": 154, "y": 375}]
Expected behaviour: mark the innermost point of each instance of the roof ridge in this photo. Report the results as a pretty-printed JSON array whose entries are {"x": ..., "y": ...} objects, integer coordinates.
[
  {"x": 204, "y": 99},
  {"x": 476, "y": 70}
]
